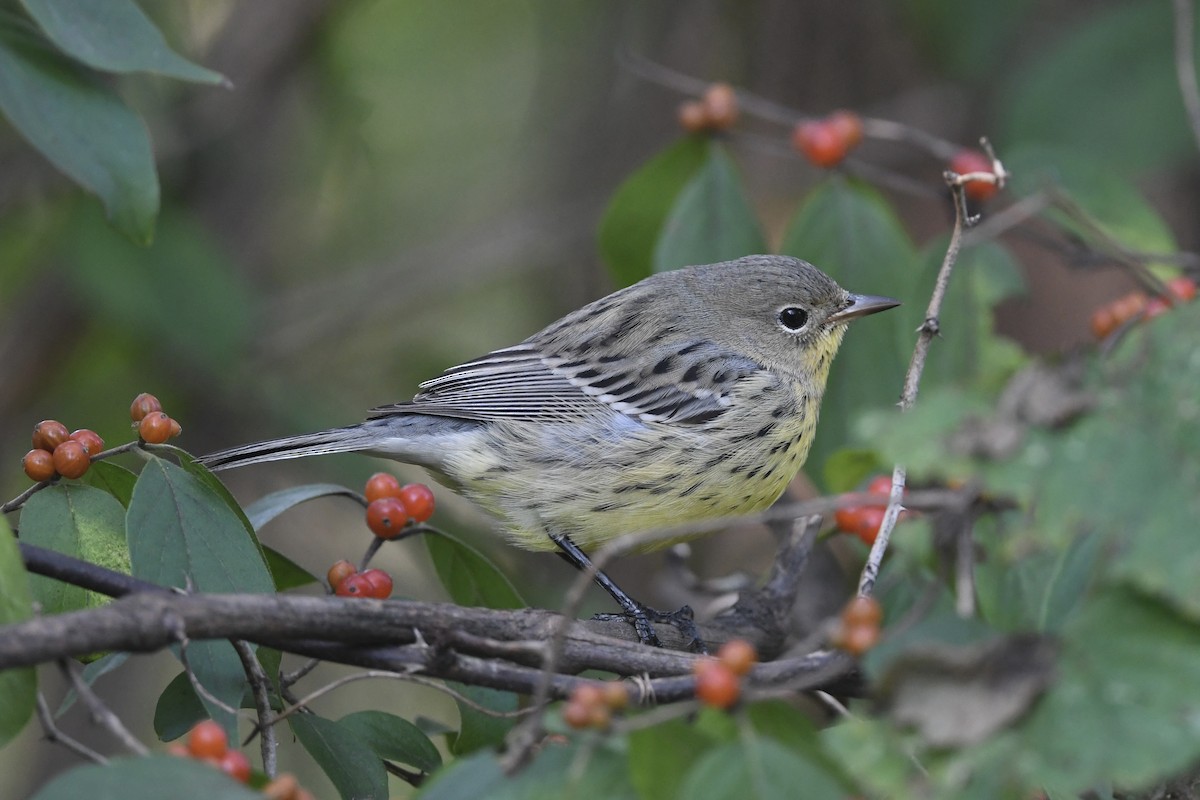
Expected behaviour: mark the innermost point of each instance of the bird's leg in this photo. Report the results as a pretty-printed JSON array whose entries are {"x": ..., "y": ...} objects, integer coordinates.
[{"x": 636, "y": 614}]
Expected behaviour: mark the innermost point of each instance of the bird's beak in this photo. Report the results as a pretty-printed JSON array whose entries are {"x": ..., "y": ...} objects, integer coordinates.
[{"x": 861, "y": 305}]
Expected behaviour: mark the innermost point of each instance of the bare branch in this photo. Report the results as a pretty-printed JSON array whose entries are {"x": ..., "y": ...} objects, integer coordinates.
[
  {"x": 54, "y": 735},
  {"x": 101, "y": 714},
  {"x": 260, "y": 686}
]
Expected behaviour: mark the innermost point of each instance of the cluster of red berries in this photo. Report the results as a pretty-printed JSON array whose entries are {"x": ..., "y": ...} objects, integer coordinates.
[
  {"x": 718, "y": 680},
  {"x": 57, "y": 452},
  {"x": 826, "y": 142},
  {"x": 1135, "y": 305},
  {"x": 346, "y": 581},
  {"x": 717, "y": 110},
  {"x": 207, "y": 742},
  {"x": 857, "y": 628},
  {"x": 153, "y": 426},
  {"x": 864, "y": 521},
  {"x": 592, "y": 704},
  {"x": 391, "y": 507}
]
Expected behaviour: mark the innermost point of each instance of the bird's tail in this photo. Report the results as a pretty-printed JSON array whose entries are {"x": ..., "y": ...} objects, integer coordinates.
[{"x": 338, "y": 440}]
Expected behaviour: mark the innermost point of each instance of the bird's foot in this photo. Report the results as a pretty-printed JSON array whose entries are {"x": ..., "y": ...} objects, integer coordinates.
[{"x": 642, "y": 618}]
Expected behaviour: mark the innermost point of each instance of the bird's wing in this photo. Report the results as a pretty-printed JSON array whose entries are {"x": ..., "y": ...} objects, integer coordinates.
[{"x": 686, "y": 384}]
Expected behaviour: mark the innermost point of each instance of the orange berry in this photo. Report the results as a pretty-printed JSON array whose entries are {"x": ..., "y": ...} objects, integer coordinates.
[
  {"x": 155, "y": 428},
  {"x": 820, "y": 143},
  {"x": 354, "y": 586},
  {"x": 856, "y": 639},
  {"x": 90, "y": 440},
  {"x": 38, "y": 464},
  {"x": 968, "y": 161},
  {"x": 848, "y": 126},
  {"x": 379, "y": 583},
  {"x": 71, "y": 459},
  {"x": 207, "y": 740},
  {"x": 381, "y": 484},
  {"x": 588, "y": 694},
  {"x": 175, "y": 430},
  {"x": 577, "y": 715},
  {"x": 1127, "y": 307},
  {"x": 720, "y": 106},
  {"x": 49, "y": 434},
  {"x": 1104, "y": 322},
  {"x": 387, "y": 517},
  {"x": 862, "y": 611},
  {"x": 693, "y": 116},
  {"x": 1183, "y": 287},
  {"x": 285, "y": 787},
  {"x": 418, "y": 501},
  {"x": 142, "y": 405},
  {"x": 870, "y": 520},
  {"x": 616, "y": 695},
  {"x": 339, "y": 572},
  {"x": 716, "y": 684},
  {"x": 235, "y": 764},
  {"x": 599, "y": 716},
  {"x": 739, "y": 655},
  {"x": 881, "y": 484}
]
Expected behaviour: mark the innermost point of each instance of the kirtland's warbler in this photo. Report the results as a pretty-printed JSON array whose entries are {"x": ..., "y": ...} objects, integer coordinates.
[{"x": 690, "y": 395}]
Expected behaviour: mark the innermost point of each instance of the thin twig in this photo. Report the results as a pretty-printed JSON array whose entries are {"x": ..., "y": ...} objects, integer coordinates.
[
  {"x": 260, "y": 686},
  {"x": 55, "y": 735},
  {"x": 1185, "y": 64},
  {"x": 101, "y": 714},
  {"x": 289, "y": 678},
  {"x": 196, "y": 685}
]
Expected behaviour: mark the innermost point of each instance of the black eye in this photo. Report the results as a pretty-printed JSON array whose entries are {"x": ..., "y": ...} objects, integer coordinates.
[{"x": 793, "y": 318}]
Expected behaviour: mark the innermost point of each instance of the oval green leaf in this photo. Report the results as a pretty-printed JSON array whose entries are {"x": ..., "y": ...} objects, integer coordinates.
[
  {"x": 145, "y": 779},
  {"x": 468, "y": 576},
  {"x": 758, "y": 768},
  {"x": 18, "y": 687},
  {"x": 350, "y": 763},
  {"x": 270, "y": 506},
  {"x": 111, "y": 478},
  {"x": 394, "y": 738}
]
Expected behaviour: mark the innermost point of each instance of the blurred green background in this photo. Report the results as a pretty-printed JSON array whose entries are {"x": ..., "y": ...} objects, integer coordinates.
[{"x": 392, "y": 187}]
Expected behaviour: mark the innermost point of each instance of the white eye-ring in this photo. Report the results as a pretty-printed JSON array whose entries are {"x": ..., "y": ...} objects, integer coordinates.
[{"x": 792, "y": 318}]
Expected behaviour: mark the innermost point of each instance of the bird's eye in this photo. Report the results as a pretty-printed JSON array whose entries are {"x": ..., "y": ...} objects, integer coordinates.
[{"x": 793, "y": 318}]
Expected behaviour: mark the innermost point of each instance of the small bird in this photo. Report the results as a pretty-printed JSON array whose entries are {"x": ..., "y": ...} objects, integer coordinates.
[{"x": 690, "y": 395}]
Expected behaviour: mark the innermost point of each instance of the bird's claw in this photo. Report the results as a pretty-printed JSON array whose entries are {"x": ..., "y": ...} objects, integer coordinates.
[{"x": 643, "y": 618}]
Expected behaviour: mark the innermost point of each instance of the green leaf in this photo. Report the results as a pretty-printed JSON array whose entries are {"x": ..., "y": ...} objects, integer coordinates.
[
  {"x": 711, "y": 220},
  {"x": 394, "y": 738},
  {"x": 557, "y": 772},
  {"x": 758, "y": 768},
  {"x": 354, "y": 769},
  {"x": 847, "y": 468},
  {"x": 178, "y": 709},
  {"x": 81, "y": 522},
  {"x": 1114, "y": 202},
  {"x": 662, "y": 756},
  {"x": 476, "y": 729},
  {"x": 847, "y": 229},
  {"x": 146, "y": 779},
  {"x": 468, "y": 576},
  {"x": 180, "y": 530},
  {"x": 286, "y": 574},
  {"x": 1124, "y": 708},
  {"x": 113, "y": 36},
  {"x": 1040, "y": 590},
  {"x": 1119, "y": 57},
  {"x": 111, "y": 478},
  {"x": 90, "y": 674},
  {"x": 18, "y": 687},
  {"x": 183, "y": 295},
  {"x": 634, "y": 218},
  {"x": 79, "y": 126},
  {"x": 270, "y": 506}
]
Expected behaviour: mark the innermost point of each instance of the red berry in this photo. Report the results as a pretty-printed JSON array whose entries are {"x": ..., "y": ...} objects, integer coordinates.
[
  {"x": 1183, "y": 287},
  {"x": 870, "y": 520},
  {"x": 820, "y": 143},
  {"x": 716, "y": 685},
  {"x": 354, "y": 586},
  {"x": 207, "y": 740},
  {"x": 418, "y": 500},
  {"x": 235, "y": 764},
  {"x": 38, "y": 464},
  {"x": 577, "y": 715},
  {"x": 1104, "y": 322},
  {"x": 381, "y": 484},
  {"x": 1129, "y": 306},
  {"x": 862, "y": 611},
  {"x": 720, "y": 106},
  {"x": 881, "y": 484},
  {"x": 856, "y": 639},
  {"x": 155, "y": 428},
  {"x": 739, "y": 655},
  {"x": 968, "y": 161},
  {"x": 379, "y": 583},
  {"x": 386, "y": 517},
  {"x": 176, "y": 429},
  {"x": 1155, "y": 306},
  {"x": 71, "y": 459},
  {"x": 693, "y": 116},
  {"x": 90, "y": 440},
  {"x": 339, "y": 572},
  {"x": 848, "y": 126},
  {"x": 588, "y": 694},
  {"x": 49, "y": 434},
  {"x": 142, "y": 405}
]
